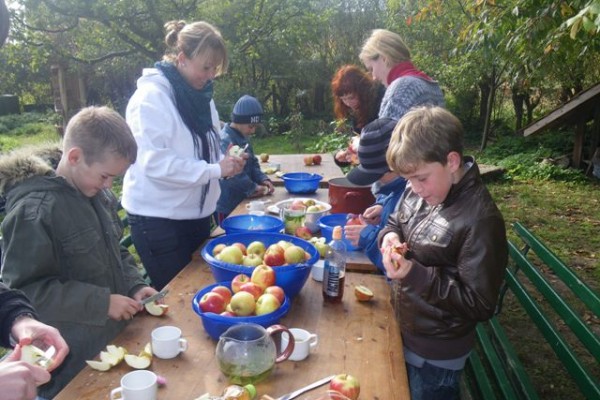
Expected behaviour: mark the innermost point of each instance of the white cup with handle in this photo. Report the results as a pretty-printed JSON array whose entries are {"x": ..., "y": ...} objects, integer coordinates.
[
  {"x": 167, "y": 342},
  {"x": 136, "y": 385},
  {"x": 304, "y": 343}
]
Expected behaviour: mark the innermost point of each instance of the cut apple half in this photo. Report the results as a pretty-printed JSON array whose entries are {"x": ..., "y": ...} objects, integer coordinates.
[
  {"x": 137, "y": 362},
  {"x": 34, "y": 355},
  {"x": 156, "y": 309},
  {"x": 363, "y": 293},
  {"x": 99, "y": 365},
  {"x": 107, "y": 357}
]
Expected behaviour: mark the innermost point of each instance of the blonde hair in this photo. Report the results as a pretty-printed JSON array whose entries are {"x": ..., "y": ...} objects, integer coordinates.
[
  {"x": 196, "y": 39},
  {"x": 387, "y": 44},
  {"x": 98, "y": 131},
  {"x": 424, "y": 135}
]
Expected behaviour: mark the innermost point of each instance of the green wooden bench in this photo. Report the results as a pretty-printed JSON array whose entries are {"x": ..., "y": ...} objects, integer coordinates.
[{"x": 546, "y": 294}]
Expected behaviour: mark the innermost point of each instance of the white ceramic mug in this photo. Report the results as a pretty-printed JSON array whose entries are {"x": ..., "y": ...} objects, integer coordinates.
[
  {"x": 136, "y": 385},
  {"x": 256, "y": 207},
  {"x": 167, "y": 342},
  {"x": 305, "y": 341}
]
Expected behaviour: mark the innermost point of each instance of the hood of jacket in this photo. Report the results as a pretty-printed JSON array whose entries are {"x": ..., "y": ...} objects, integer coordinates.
[{"x": 23, "y": 164}]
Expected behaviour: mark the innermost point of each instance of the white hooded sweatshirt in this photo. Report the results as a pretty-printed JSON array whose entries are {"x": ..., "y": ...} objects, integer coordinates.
[{"x": 167, "y": 179}]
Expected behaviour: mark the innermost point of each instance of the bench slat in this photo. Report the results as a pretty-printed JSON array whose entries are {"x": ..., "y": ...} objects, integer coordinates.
[
  {"x": 562, "y": 308},
  {"x": 587, "y": 384},
  {"x": 480, "y": 380},
  {"x": 577, "y": 286}
]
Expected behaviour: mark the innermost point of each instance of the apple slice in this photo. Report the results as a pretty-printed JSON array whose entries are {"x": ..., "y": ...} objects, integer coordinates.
[
  {"x": 137, "y": 362},
  {"x": 147, "y": 351},
  {"x": 32, "y": 355},
  {"x": 99, "y": 365},
  {"x": 107, "y": 357},
  {"x": 363, "y": 293},
  {"x": 156, "y": 309},
  {"x": 117, "y": 351}
]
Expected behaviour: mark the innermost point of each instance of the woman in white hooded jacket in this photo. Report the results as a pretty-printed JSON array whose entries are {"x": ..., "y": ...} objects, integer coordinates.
[{"x": 171, "y": 192}]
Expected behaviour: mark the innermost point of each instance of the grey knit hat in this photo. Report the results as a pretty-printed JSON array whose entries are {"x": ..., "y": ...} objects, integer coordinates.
[
  {"x": 374, "y": 140},
  {"x": 247, "y": 110}
]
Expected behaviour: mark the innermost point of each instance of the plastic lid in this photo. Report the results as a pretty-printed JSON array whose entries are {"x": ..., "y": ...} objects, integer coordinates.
[{"x": 337, "y": 233}]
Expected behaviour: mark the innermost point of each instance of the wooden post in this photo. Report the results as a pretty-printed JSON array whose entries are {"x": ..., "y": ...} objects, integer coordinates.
[{"x": 578, "y": 144}]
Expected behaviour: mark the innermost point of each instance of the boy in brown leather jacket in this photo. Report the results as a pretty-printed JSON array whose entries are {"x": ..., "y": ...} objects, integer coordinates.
[{"x": 445, "y": 250}]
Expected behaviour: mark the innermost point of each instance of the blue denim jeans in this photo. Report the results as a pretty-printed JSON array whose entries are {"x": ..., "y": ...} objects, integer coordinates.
[
  {"x": 165, "y": 246},
  {"x": 433, "y": 383}
]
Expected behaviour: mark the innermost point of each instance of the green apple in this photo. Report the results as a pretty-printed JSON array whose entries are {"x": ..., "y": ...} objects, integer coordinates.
[
  {"x": 257, "y": 248},
  {"x": 252, "y": 260},
  {"x": 232, "y": 255},
  {"x": 266, "y": 303},
  {"x": 294, "y": 254},
  {"x": 242, "y": 304}
]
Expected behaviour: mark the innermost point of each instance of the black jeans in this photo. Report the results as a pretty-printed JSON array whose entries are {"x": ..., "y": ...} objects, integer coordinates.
[{"x": 165, "y": 246}]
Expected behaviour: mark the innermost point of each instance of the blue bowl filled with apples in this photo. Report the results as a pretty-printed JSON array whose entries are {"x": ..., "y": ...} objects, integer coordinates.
[
  {"x": 220, "y": 308},
  {"x": 290, "y": 257}
]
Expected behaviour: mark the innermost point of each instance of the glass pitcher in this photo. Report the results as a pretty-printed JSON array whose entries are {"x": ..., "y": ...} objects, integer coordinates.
[{"x": 247, "y": 352}]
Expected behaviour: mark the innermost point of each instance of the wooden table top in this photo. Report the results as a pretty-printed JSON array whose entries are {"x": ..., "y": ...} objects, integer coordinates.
[
  {"x": 356, "y": 261},
  {"x": 295, "y": 163},
  {"x": 361, "y": 339}
]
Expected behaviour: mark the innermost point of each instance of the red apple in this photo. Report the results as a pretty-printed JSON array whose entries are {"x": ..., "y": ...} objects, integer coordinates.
[
  {"x": 354, "y": 219},
  {"x": 228, "y": 314},
  {"x": 212, "y": 302},
  {"x": 252, "y": 260},
  {"x": 346, "y": 385},
  {"x": 241, "y": 246},
  {"x": 294, "y": 255},
  {"x": 224, "y": 292},
  {"x": 308, "y": 160},
  {"x": 232, "y": 255},
  {"x": 238, "y": 281},
  {"x": 277, "y": 292},
  {"x": 303, "y": 232},
  {"x": 263, "y": 276},
  {"x": 257, "y": 248},
  {"x": 217, "y": 249},
  {"x": 274, "y": 256},
  {"x": 297, "y": 205},
  {"x": 252, "y": 288},
  {"x": 242, "y": 304},
  {"x": 316, "y": 159},
  {"x": 267, "y": 303}
]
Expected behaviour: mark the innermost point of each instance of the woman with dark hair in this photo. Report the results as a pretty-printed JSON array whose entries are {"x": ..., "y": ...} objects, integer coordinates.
[{"x": 356, "y": 98}]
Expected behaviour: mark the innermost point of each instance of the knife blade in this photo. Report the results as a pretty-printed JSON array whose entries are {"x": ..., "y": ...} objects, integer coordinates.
[
  {"x": 155, "y": 296},
  {"x": 296, "y": 393}
]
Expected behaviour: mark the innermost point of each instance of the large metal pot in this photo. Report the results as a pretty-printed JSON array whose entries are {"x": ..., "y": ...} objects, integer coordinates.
[{"x": 346, "y": 197}]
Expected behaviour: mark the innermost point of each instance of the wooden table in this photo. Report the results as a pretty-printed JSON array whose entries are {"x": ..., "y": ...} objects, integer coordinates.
[
  {"x": 356, "y": 261},
  {"x": 361, "y": 339},
  {"x": 295, "y": 163}
]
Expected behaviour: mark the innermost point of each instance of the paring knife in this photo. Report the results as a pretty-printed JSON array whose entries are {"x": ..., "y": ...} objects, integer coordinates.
[
  {"x": 306, "y": 388},
  {"x": 156, "y": 296}
]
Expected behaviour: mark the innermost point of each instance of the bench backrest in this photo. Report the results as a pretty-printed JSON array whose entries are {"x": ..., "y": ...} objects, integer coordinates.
[{"x": 568, "y": 306}]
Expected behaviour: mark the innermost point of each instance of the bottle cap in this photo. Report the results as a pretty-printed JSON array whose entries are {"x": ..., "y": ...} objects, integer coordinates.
[{"x": 337, "y": 233}]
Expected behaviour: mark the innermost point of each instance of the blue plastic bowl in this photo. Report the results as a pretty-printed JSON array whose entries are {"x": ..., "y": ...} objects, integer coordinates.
[
  {"x": 301, "y": 182},
  {"x": 252, "y": 223},
  {"x": 328, "y": 222},
  {"x": 215, "y": 324},
  {"x": 290, "y": 278}
]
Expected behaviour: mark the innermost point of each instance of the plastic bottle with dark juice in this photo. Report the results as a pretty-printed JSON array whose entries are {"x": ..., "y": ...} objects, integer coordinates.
[{"x": 334, "y": 271}]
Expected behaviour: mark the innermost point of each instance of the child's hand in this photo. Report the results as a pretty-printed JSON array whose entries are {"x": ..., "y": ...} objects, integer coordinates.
[
  {"x": 372, "y": 215},
  {"x": 269, "y": 185},
  {"x": 352, "y": 233},
  {"x": 122, "y": 307},
  {"x": 396, "y": 265}
]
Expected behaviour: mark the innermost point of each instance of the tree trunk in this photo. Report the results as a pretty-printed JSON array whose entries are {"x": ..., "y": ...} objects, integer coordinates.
[
  {"x": 518, "y": 99},
  {"x": 4, "y": 22},
  {"x": 485, "y": 93},
  {"x": 489, "y": 108}
]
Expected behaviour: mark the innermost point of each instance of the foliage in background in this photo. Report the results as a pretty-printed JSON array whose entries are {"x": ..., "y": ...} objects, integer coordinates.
[{"x": 27, "y": 129}]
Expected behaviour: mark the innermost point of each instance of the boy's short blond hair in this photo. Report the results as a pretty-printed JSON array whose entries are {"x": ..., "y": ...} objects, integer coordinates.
[
  {"x": 98, "y": 132},
  {"x": 424, "y": 135},
  {"x": 385, "y": 43}
]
